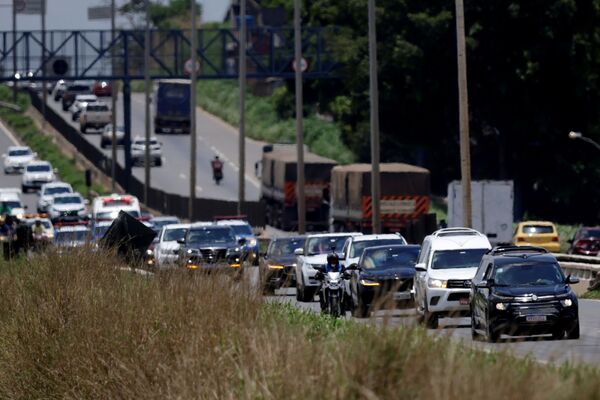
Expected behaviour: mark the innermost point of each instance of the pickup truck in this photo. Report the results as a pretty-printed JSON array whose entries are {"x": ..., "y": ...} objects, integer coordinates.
[{"x": 95, "y": 115}]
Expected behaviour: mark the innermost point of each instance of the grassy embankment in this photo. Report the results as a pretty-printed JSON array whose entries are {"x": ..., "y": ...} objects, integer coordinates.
[
  {"x": 27, "y": 131},
  {"x": 75, "y": 327}
]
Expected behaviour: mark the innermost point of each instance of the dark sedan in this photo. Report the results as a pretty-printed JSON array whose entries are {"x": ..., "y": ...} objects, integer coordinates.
[
  {"x": 210, "y": 247},
  {"x": 277, "y": 267},
  {"x": 383, "y": 273},
  {"x": 586, "y": 241}
]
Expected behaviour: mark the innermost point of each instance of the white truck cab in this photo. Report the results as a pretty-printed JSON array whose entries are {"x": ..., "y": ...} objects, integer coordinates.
[{"x": 107, "y": 207}]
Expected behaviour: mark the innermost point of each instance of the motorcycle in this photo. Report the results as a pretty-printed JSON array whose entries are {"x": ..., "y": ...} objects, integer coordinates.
[
  {"x": 217, "y": 175},
  {"x": 332, "y": 291}
]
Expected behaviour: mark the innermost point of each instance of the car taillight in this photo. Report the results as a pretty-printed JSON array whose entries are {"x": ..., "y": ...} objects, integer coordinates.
[
  {"x": 520, "y": 239},
  {"x": 555, "y": 238}
]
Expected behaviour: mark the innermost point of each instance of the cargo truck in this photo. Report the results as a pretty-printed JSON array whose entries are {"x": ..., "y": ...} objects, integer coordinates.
[
  {"x": 492, "y": 204},
  {"x": 279, "y": 188},
  {"x": 172, "y": 113},
  {"x": 405, "y": 193}
]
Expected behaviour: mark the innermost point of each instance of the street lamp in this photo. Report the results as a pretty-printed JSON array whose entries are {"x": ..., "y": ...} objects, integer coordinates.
[{"x": 578, "y": 135}]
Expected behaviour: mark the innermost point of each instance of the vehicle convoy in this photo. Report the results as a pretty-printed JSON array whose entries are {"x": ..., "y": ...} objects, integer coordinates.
[
  {"x": 537, "y": 233},
  {"x": 10, "y": 202},
  {"x": 172, "y": 112},
  {"x": 94, "y": 115},
  {"x": 279, "y": 188},
  {"x": 448, "y": 261},
  {"x": 72, "y": 90},
  {"x": 107, "y": 207},
  {"x": 383, "y": 274},
  {"x": 16, "y": 158},
  {"x": 405, "y": 192},
  {"x": 68, "y": 207},
  {"x": 278, "y": 266},
  {"x": 355, "y": 245},
  {"x": 36, "y": 174},
  {"x": 586, "y": 241},
  {"x": 243, "y": 230},
  {"x": 492, "y": 208},
  {"x": 138, "y": 151},
  {"x": 314, "y": 253},
  {"x": 166, "y": 250},
  {"x": 522, "y": 291},
  {"x": 47, "y": 193},
  {"x": 210, "y": 247}
]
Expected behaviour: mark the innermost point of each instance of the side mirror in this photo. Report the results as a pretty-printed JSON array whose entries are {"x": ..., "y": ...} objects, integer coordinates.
[
  {"x": 181, "y": 241},
  {"x": 421, "y": 267},
  {"x": 353, "y": 267},
  {"x": 242, "y": 241},
  {"x": 299, "y": 252},
  {"x": 482, "y": 285},
  {"x": 571, "y": 280}
]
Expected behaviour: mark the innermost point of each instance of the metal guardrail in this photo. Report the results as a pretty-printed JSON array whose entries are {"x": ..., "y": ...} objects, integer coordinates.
[{"x": 583, "y": 267}]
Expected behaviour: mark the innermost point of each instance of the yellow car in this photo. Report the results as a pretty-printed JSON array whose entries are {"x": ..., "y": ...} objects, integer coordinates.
[{"x": 537, "y": 233}]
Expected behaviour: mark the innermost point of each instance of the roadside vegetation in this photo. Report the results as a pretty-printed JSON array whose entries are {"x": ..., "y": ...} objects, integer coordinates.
[
  {"x": 591, "y": 294},
  {"x": 75, "y": 326},
  {"x": 25, "y": 128}
]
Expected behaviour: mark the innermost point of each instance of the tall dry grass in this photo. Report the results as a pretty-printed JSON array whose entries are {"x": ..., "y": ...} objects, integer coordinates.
[{"x": 76, "y": 327}]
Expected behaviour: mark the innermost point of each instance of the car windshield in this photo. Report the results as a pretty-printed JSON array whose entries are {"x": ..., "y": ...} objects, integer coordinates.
[
  {"x": 18, "y": 153},
  {"x": 450, "y": 259},
  {"x": 97, "y": 108},
  {"x": 324, "y": 245},
  {"x": 590, "y": 233},
  {"x": 211, "y": 235},
  {"x": 538, "y": 229},
  {"x": 56, "y": 190},
  {"x": 38, "y": 168},
  {"x": 172, "y": 235},
  {"x": 67, "y": 200},
  {"x": 11, "y": 204},
  {"x": 390, "y": 257},
  {"x": 358, "y": 247},
  {"x": 159, "y": 223},
  {"x": 114, "y": 214},
  {"x": 71, "y": 236},
  {"x": 285, "y": 247},
  {"x": 242, "y": 230},
  {"x": 534, "y": 274}
]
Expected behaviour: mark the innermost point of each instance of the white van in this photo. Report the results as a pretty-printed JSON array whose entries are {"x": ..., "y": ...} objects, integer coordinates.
[
  {"x": 447, "y": 263},
  {"x": 106, "y": 208},
  {"x": 10, "y": 202}
]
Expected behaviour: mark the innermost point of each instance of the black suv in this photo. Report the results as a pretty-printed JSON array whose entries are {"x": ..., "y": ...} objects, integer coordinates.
[
  {"x": 522, "y": 291},
  {"x": 210, "y": 246}
]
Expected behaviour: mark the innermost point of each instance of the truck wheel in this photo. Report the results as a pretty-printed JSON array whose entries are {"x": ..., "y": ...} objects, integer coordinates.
[{"x": 103, "y": 144}]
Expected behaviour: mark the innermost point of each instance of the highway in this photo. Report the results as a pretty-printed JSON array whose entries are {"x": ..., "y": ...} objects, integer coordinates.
[{"x": 214, "y": 138}]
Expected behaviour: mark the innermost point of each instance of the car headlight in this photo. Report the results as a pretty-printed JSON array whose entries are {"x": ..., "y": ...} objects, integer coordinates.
[
  {"x": 252, "y": 242},
  {"x": 501, "y": 306},
  {"x": 149, "y": 252},
  {"x": 567, "y": 302},
  {"x": 437, "y": 283},
  {"x": 368, "y": 282}
]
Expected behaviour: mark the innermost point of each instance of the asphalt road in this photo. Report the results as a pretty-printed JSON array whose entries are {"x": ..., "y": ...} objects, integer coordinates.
[{"x": 214, "y": 138}]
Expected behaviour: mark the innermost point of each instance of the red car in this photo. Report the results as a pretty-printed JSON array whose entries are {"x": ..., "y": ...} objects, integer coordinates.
[
  {"x": 586, "y": 241},
  {"x": 103, "y": 88}
]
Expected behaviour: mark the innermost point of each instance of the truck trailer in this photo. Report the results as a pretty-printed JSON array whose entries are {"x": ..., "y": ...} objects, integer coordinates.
[
  {"x": 405, "y": 193},
  {"x": 172, "y": 112},
  {"x": 279, "y": 188}
]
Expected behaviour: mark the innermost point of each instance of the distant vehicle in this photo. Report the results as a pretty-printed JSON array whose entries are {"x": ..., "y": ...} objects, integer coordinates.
[
  {"x": 106, "y": 208},
  {"x": 138, "y": 151},
  {"x": 354, "y": 246},
  {"x": 166, "y": 251},
  {"x": 492, "y": 208},
  {"x": 210, "y": 246},
  {"x": 46, "y": 224},
  {"x": 48, "y": 191},
  {"x": 383, "y": 273},
  {"x": 313, "y": 253},
  {"x": 69, "y": 236},
  {"x": 36, "y": 174},
  {"x": 159, "y": 222},
  {"x": 59, "y": 89},
  {"x": 68, "y": 207},
  {"x": 107, "y": 134},
  {"x": 81, "y": 100},
  {"x": 278, "y": 266},
  {"x": 172, "y": 112},
  {"x": 16, "y": 158},
  {"x": 448, "y": 261},
  {"x": 243, "y": 230},
  {"x": 94, "y": 115},
  {"x": 10, "y": 202},
  {"x": 537, "y": 233},
  {"x": 586, "y": 241},
  {"x": 72, "y": 90},
  {"x": 522, "y": 291},
  {"x": 103, "y": 88}
]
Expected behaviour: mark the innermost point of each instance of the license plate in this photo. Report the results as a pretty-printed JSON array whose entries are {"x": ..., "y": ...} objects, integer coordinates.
[
  {"x": 536, "y": 318},
  {"x": 464, "y": 301},
  {"x": 402, "y": 296}
]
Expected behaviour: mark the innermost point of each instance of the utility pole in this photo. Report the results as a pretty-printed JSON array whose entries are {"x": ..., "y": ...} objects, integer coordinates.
[
  {"x": 463, "y": 106},
  {"x": 114, "y": 95},
  {"x": 374, "y": 101},
  {"x": 14, "y": 24},
  {"x": 299, "y": 118},
  {"x": 193, "y": 76},
  {"x": 147, "y": 181},
  {"x": 242, "y": 80},
  {"x": 44, "y": 89}
]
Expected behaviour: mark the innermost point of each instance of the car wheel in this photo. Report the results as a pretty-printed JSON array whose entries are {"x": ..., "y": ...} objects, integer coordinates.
[
  {"x": 558, "y": 333},
  {"x": 431, "y": 319},
  {"x": 103, "y": 144},
  {"x": 24, "y": 189},
  {"x": 361, "y": 310},
  {"x": 492, "y": 334},
  {"x": 83, "y": 128},
  {"x": 573, "y": 332},
  {"x": 159, "y": 162}
]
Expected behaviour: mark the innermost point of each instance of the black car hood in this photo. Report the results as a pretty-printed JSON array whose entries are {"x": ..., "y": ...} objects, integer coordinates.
[
  {"x": 530, "y": 290},
  {"x": 389, "y": 273},
  {"x": 284, "y": 260}
]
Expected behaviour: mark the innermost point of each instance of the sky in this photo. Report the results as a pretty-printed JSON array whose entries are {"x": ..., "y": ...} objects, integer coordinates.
[{"x": 72, "y": 14}]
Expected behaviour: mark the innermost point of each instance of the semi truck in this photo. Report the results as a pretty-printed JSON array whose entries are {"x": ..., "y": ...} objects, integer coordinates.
[
  {"x": 405, "y": 194},
  {"x": 279, "y": 194},
  {"x": 492, "y": 208},
  {"x": 172, "y": 112}
]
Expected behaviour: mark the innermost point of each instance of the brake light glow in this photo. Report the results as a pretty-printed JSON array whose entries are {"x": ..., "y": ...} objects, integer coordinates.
[
  {"x": 520, "y": 239},
  {"x": 555, "y": 238}
]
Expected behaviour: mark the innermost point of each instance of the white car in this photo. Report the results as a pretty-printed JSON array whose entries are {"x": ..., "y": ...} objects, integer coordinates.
[
  {"x": 138, "y": 151},
  {"x": 36, "y": 174},
  {"x": 10, "y": 202},
  {"x": 354, "y": 246},
  {"x": 315, "y": 252},
  {"x": 68, "y": 207},
  {"x": 166, "y": 250},
  {"x": 48, "y": 191},
  {"x": 71, "y": 236},
  {"x": 94, "y": 115},
  {"x": 107, "y": 134},
  {"x": 106, "y": 208},
  {"x": 59, "y": 89},
  {"x": 447, "y": 263},
  {"x": 81, "y": 101},
  {"x": 16, "y": 158}
]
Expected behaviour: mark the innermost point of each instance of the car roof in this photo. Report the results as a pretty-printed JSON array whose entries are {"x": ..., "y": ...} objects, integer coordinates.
[
  {"x": 67, "y": 195},
  {"x": 56, "y": 184},
  {"x": 143, "y": 138},
  {"x": 365, "y": 238},
  {"x": 103, "y": 223},
  {"x": 522, "y": 258},
  {"x": 457, "y": 238},
  {"x": 545, "y": 223},
  {"x": 38, "y": 162},
  {"x": 334, "y": 234},
  {"x": 10, "y": 148},
  {"x": 230, "y": 222},
  {"x": 394, "y": 246},
  {"x": 199, "y": 225},
  {"x": 164, "y": 218},
  {"x": 86, "y": 96},
  {"x": 176, "y": 226}
]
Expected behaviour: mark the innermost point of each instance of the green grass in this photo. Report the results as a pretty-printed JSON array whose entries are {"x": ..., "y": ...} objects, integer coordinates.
[
  {"x": 438, "y": 206},
  {"x": 591, "y": 294},
  {"x": 27, "y": 131}
]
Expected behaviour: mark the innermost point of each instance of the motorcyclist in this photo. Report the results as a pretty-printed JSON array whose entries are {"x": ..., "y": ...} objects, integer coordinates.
[
  {"x": 37, "y": 230},
  {"x": 333, "y": 265},
  {"x": 217, "y": 167}
]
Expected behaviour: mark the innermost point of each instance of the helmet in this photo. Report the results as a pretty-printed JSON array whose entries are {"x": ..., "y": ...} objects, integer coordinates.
[
  {"x": 333, "y": 259},
  {"x": 38, "y": 222}
]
